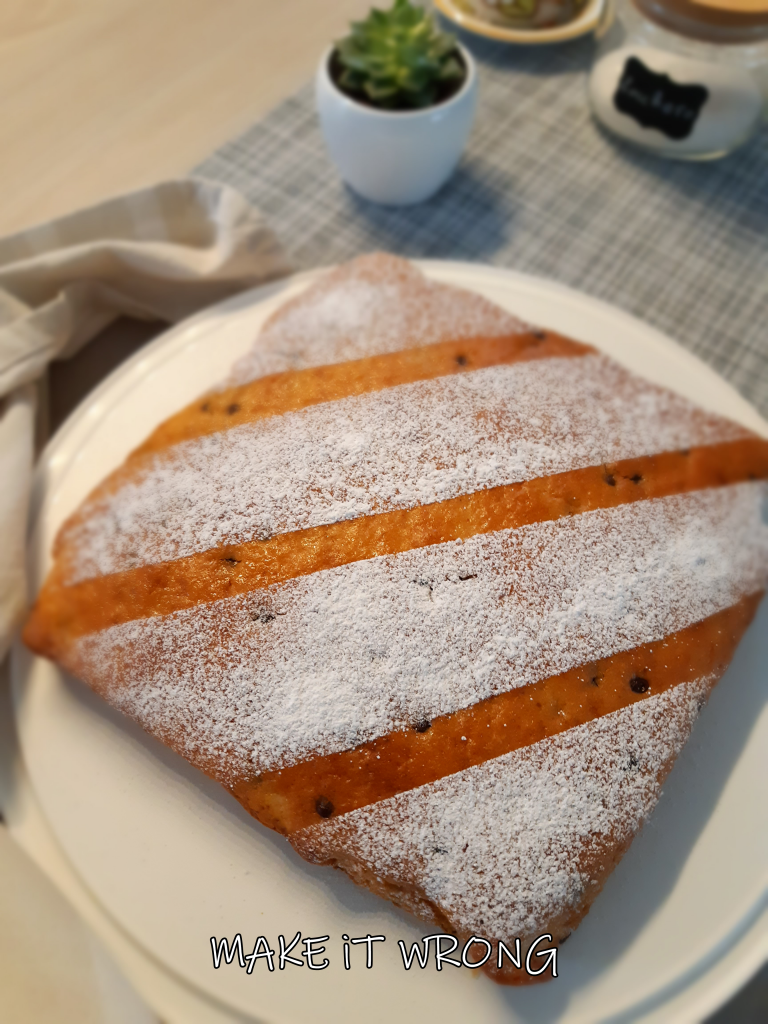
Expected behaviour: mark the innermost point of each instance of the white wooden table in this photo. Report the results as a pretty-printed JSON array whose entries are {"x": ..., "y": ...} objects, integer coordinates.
[{"x": 101, "y": 96}]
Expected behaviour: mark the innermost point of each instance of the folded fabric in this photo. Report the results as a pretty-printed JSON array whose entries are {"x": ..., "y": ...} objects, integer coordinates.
[{"x": 159, "y": 253}]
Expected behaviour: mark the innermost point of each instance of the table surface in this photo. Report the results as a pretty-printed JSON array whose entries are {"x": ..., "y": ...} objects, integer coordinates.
[{"x": 102, "y": 96}]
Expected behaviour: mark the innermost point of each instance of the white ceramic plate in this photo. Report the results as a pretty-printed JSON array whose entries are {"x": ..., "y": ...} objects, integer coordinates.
[
  {"x": 682, "y": 922},
  {"x": 462, "y": 15}
]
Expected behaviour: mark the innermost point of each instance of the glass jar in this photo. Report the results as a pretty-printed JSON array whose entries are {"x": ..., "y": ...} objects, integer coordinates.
[{"x": 684, "y": 78}]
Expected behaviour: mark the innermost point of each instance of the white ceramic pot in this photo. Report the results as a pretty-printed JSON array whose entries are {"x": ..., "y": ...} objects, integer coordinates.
[{"x": 395, "y": 157}]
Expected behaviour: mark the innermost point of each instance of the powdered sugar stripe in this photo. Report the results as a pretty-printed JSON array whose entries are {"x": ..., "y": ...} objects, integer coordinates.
[
  {"x": 409, "y": 445},
  {"x": 325, "y": 662},
  {"x": 505, "y": 847},
  {"x": 369, "y": 307}
]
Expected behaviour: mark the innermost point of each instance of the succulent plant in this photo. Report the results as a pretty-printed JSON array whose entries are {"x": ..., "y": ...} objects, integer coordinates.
[{"x": 398, "y": 59}]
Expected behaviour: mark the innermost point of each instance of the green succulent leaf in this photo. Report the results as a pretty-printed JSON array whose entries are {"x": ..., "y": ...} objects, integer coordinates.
[{"x": 398, "y": 58}]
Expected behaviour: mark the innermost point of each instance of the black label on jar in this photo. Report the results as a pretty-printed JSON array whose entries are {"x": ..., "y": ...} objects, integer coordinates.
[{"x": 655, "y": 101}]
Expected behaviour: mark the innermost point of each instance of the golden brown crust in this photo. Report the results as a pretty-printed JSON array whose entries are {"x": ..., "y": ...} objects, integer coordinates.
[
  {"x": 292, "y": 390},
  {"x": 63, "y": 613},
  {"x": 306, "y": 793},
  {"x": 593, "y": 861}
]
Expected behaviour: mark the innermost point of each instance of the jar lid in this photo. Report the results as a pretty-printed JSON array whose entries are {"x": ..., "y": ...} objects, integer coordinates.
[{"x": 715, "y": 21}]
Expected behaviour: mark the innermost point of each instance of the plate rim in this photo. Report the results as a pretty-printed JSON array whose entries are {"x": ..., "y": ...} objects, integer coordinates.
[{"x": 721, "y": 988}]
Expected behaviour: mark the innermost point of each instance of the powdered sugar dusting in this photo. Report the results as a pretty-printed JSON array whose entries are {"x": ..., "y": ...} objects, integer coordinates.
[
  {"x": 505, "y": 847},
  {"x": 325, "y": 662},
  {"x": 373, "y": 305},
  {"x": 404, "y": 446}
]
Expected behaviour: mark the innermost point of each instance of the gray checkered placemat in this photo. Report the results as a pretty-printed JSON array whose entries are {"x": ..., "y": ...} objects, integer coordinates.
[{"x": 540, "y": 189}]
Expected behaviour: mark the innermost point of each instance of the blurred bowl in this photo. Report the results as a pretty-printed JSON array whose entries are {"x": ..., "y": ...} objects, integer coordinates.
[{"x": 464, "y": 14}]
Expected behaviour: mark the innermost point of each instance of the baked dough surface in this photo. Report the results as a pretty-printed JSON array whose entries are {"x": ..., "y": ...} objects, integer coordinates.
[{"x": 435, "y": 594}]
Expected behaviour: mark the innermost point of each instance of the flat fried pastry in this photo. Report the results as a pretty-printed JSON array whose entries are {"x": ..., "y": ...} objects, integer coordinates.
[{"x": 434, "y": 594}]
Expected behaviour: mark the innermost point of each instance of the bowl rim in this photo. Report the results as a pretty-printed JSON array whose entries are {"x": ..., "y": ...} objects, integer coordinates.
[{"x": 585, "y": 22}]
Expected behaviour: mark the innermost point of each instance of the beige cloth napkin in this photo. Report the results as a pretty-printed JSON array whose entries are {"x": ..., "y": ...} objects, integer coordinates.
[{"x": 160, "y": 253}]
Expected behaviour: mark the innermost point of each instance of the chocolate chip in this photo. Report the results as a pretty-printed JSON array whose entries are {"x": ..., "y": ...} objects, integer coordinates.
[
  {"x": 262, "y": 616},
  {"x": 610, "y": 479},
  {"x": 639, "y": 685},
  {"x": 422, "y": 725},
  {"x": 462, "y": 360},
  {"x": 324, "y": 807},
  {"x": 231, "y": 561},
  {"x": 636, "y": 478},
  {"x": 595, "y": 681},
  {"x": 469, "y": 576},
  {"x": 233, "y": 408},
  {"x": 438, "y": 849},
  {"x": 538, "y": 334}
]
